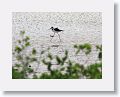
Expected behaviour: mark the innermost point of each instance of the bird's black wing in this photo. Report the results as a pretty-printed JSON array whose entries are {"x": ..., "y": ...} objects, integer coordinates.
[{"x": 56, "y": 29}]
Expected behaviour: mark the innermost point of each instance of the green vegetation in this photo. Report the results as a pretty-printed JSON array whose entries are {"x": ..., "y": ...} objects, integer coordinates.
[
  {"x": 99, "y": 48},
  {"x": 67, "y": 68},
  {"x": 17, "y": 74},
  {"x": 83, "y": 47},
  {"x": 24, "y": 60}
]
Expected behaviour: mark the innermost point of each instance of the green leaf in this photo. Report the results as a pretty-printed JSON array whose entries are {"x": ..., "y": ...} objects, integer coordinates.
[
  {"x": 27, "y": 44},
  {"x": 99, "y": 47},
  {"x": 49, "y": 66},
  {"x": 18, "y": 49},
  {"x": 64, "y": 58},
  {"x": 62, "y": 69},
  {"x": 50, "y": 56},
  {"x": 18, "y": 65},
  {"x": 33, "y": 59},
  {"x": 87, "y": 52},
  {"x": 87, "y": 46},
  {"x": 42, "y": 52},
  {"x": 34, "y": 51},
  {"x": 66, "y": 52},
  {"x": 58, "y": 60},
  {"x": 75, "y": 46},
  {"x": 70, "y": 63},
  {"x": 26, "y": 39},
  {"x": 22, "y": 32},
  {"x": 19, "y": 41},
  {"x": 30, "y": 70},
  {"x": 77, "y": 51},
  {"x": 81, "y": 47},
  {"x": 44, "y": 62},
  {"x": 19, "y": 57},
  {"x": 100, "y": 55}
]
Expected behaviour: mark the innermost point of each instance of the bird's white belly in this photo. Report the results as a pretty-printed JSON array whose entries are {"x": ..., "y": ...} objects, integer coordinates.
[{"x": 55, "y": 31}]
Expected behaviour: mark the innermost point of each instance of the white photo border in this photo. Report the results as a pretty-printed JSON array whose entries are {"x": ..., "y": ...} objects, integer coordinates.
[{"x": 104, "y": 84}]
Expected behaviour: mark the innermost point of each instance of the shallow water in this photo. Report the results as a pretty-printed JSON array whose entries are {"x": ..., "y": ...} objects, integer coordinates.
[{"x": 78, "y": 28}]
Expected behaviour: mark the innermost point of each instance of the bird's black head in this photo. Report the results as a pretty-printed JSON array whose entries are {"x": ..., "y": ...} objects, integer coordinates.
[{"x": 51, "y": 28}]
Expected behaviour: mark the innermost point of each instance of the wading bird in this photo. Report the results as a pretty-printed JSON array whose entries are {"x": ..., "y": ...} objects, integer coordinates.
[{"x": 56, "y": 31}]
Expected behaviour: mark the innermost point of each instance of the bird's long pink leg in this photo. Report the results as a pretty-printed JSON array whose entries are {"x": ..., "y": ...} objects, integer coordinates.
[
  {"x": 59, "y": 37},
  {"x": 52, "y": 36}
]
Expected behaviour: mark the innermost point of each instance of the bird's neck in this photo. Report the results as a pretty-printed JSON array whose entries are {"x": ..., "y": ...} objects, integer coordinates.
[{"x": 52, "y": 28}]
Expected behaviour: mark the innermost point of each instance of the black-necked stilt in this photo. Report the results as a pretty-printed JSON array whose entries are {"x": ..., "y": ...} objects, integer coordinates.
[{"x": 55, "y": 30}]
